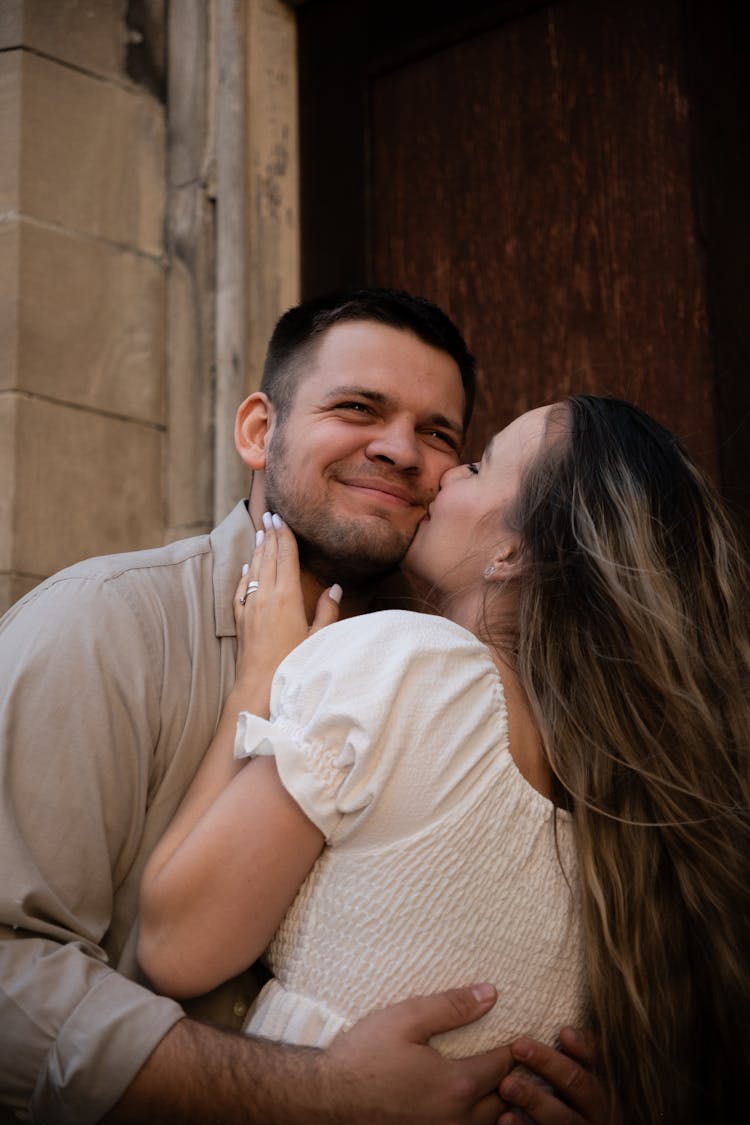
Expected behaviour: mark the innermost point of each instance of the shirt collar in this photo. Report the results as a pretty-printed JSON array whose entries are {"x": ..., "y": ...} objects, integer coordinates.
[{"x": 232, "y": 544}]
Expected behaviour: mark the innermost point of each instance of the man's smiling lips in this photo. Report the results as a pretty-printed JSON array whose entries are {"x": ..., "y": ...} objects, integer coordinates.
[{"x": 384, "y": 490}]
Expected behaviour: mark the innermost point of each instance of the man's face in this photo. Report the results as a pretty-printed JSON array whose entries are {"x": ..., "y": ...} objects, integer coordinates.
[{"x": 376, "y": 421}]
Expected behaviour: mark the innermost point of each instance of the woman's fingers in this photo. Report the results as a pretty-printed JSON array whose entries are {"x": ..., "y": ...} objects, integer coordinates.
[
  {"x": 278, "y": 558},
  {"x": 327, "y": 609},
  {"x": 287, "y": 559},
  {"x": 579, "y": 1097},
  {"x": 241, "y": 593},
  {"x": 248, "y": 583},
  {"x": 261, "y": 572},
  {"x": 273, "y": 582},
  {"x": 581, "y": 1043},
  {"x": 268, "y": 550}
]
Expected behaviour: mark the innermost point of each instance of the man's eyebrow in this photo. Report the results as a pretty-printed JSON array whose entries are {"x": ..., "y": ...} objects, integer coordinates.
[
  {"x": 446, "y": 424},
  {"x": 437, "y": 420},
  {"x": 353, "y": 389}
]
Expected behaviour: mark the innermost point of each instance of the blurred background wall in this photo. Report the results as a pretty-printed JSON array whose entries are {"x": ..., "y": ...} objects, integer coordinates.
[
  {"x": 569, "y": 179},
  {"x": 148, "y": 241}
]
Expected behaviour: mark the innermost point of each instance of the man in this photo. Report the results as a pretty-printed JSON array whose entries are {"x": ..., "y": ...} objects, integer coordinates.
[{"x": 114, "y": 676}]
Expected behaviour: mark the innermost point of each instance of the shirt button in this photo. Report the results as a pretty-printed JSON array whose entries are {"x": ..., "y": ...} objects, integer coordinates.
[{"x": 239, "y": 1009}]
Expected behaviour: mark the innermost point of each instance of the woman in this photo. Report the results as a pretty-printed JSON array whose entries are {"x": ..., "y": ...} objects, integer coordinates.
[{"x": 579, "y": 808}]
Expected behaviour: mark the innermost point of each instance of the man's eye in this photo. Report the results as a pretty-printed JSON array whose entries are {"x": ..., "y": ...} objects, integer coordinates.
[
  {"x": 356, "y": 407},
  {"x": 473, "y": 468},
  {"x": 444, "y": 438}
]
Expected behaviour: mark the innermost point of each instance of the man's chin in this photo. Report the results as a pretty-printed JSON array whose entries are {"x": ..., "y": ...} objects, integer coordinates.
[{"x": 352, "y": 556}]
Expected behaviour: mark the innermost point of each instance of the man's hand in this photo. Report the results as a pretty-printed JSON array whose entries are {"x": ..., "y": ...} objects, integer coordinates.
[
  {"x": 580, "y": 1098},
  {"x": 380, "y": 1073},
  {"x": 391, "y": 1076}
]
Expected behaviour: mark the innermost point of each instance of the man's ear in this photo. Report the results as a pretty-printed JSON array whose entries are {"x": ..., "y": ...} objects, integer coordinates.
[{"x": 253, "y": 426}]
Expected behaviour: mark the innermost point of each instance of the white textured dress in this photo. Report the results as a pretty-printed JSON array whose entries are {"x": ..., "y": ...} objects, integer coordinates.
[{"x": 442, "y": 865}]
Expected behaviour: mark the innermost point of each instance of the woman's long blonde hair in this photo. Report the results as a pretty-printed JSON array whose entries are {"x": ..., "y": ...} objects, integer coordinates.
[{"x": 632, "y": 645}]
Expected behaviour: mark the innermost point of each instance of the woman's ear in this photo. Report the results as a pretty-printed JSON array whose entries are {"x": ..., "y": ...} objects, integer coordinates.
[
  {"x": 253, "y": 425},
  {"x": 505, "y": 560}
]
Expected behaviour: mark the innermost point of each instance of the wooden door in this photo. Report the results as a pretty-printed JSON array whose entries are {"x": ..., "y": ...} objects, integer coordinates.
[{"x": 569, "y": 180}]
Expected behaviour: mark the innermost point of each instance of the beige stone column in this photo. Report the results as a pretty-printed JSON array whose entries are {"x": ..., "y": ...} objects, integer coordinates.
[
  {"x": 146, "y": 250},
  {"x": 233, "y": 215},
  {"x": 191, "y": 280},
  {"x": 82, "y": 292},
  {"x": 259, "y": 192}
]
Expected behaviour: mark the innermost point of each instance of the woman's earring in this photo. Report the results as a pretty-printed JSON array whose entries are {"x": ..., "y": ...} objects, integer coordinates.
[{"x": 489, "y": 570}]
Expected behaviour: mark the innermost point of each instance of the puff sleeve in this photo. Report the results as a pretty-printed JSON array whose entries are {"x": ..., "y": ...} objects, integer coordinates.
[{"x": 361, "y": 706}]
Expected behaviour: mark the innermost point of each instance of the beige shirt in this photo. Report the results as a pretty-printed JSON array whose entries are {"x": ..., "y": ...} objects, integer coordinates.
[{"x": 113, "y": 677}]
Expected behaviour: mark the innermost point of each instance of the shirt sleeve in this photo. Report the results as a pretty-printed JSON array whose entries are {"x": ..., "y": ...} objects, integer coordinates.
[
  {"x": 74, "y": 776},
  {"x": 393, "y": 700}
]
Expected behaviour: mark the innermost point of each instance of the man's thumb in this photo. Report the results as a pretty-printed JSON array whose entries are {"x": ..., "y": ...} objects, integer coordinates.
[{"x": 429, "y": 1015}]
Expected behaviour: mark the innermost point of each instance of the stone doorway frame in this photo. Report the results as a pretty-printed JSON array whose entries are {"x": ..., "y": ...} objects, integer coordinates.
[{"x": 232, "y": 234}]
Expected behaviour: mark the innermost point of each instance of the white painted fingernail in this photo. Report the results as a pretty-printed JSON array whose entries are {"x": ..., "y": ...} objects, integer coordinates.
[
  {"x": 277, "y": 521},
  {"x": 259, "y": 536},
  {"x": 245, "y": 568},
  {"x": 267, "y": 521},
  {"x": 335, "y": 593}
]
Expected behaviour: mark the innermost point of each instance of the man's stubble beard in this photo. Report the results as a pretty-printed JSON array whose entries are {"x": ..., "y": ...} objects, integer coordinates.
[{"x": 331, "y": 549}]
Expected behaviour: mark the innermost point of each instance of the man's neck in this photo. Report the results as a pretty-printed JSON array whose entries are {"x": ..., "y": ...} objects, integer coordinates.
[{"x": 354, "y": 601}]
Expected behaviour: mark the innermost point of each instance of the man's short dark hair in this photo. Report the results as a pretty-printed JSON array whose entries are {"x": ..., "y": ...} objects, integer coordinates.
[{"x": 300, "y": 329}]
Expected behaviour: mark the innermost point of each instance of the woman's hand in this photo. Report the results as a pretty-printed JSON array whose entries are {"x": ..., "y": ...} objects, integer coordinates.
[
  {"x": 269, "y": 606},
  {"x": 579, "y": 1096}
]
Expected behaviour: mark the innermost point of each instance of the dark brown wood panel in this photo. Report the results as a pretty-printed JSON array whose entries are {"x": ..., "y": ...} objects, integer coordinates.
[
  {"x": 718, "y": 51},
  {"x": 342, "y": 44},
  {"x": 569, "y": 179},
  {"x": 535, "y": 179}
]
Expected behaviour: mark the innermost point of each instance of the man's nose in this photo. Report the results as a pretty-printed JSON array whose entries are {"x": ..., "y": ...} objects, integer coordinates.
[{"x": 397, "y": 444}]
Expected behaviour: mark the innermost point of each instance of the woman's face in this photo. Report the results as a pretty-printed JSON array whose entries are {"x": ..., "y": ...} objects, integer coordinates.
[{"x": 454, "y": 543}]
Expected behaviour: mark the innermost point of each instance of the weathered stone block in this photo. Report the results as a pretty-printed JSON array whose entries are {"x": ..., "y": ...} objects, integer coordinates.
[
  {"x": 90, "y": 322},
  {"x": 190, "y": 422},
  {"x": 92, "y": 36},
  {"x": 85, "y": 484},
  {"x": 9, "y": 301},
  {"x": 10, "y": 132},
  {"x": 85, "y": 154},
  {"x": 7, "y": 478}
]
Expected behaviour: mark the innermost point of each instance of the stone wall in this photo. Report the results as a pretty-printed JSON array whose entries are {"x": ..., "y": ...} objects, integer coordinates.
[
  {"x": 148, "y": 241},
  {"x": 82, "y": 292}
]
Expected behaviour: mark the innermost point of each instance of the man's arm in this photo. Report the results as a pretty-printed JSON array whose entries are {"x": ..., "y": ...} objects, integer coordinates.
[
  {"x": 77, "y": 762},
  {"x": 379, "y": 1073}
]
